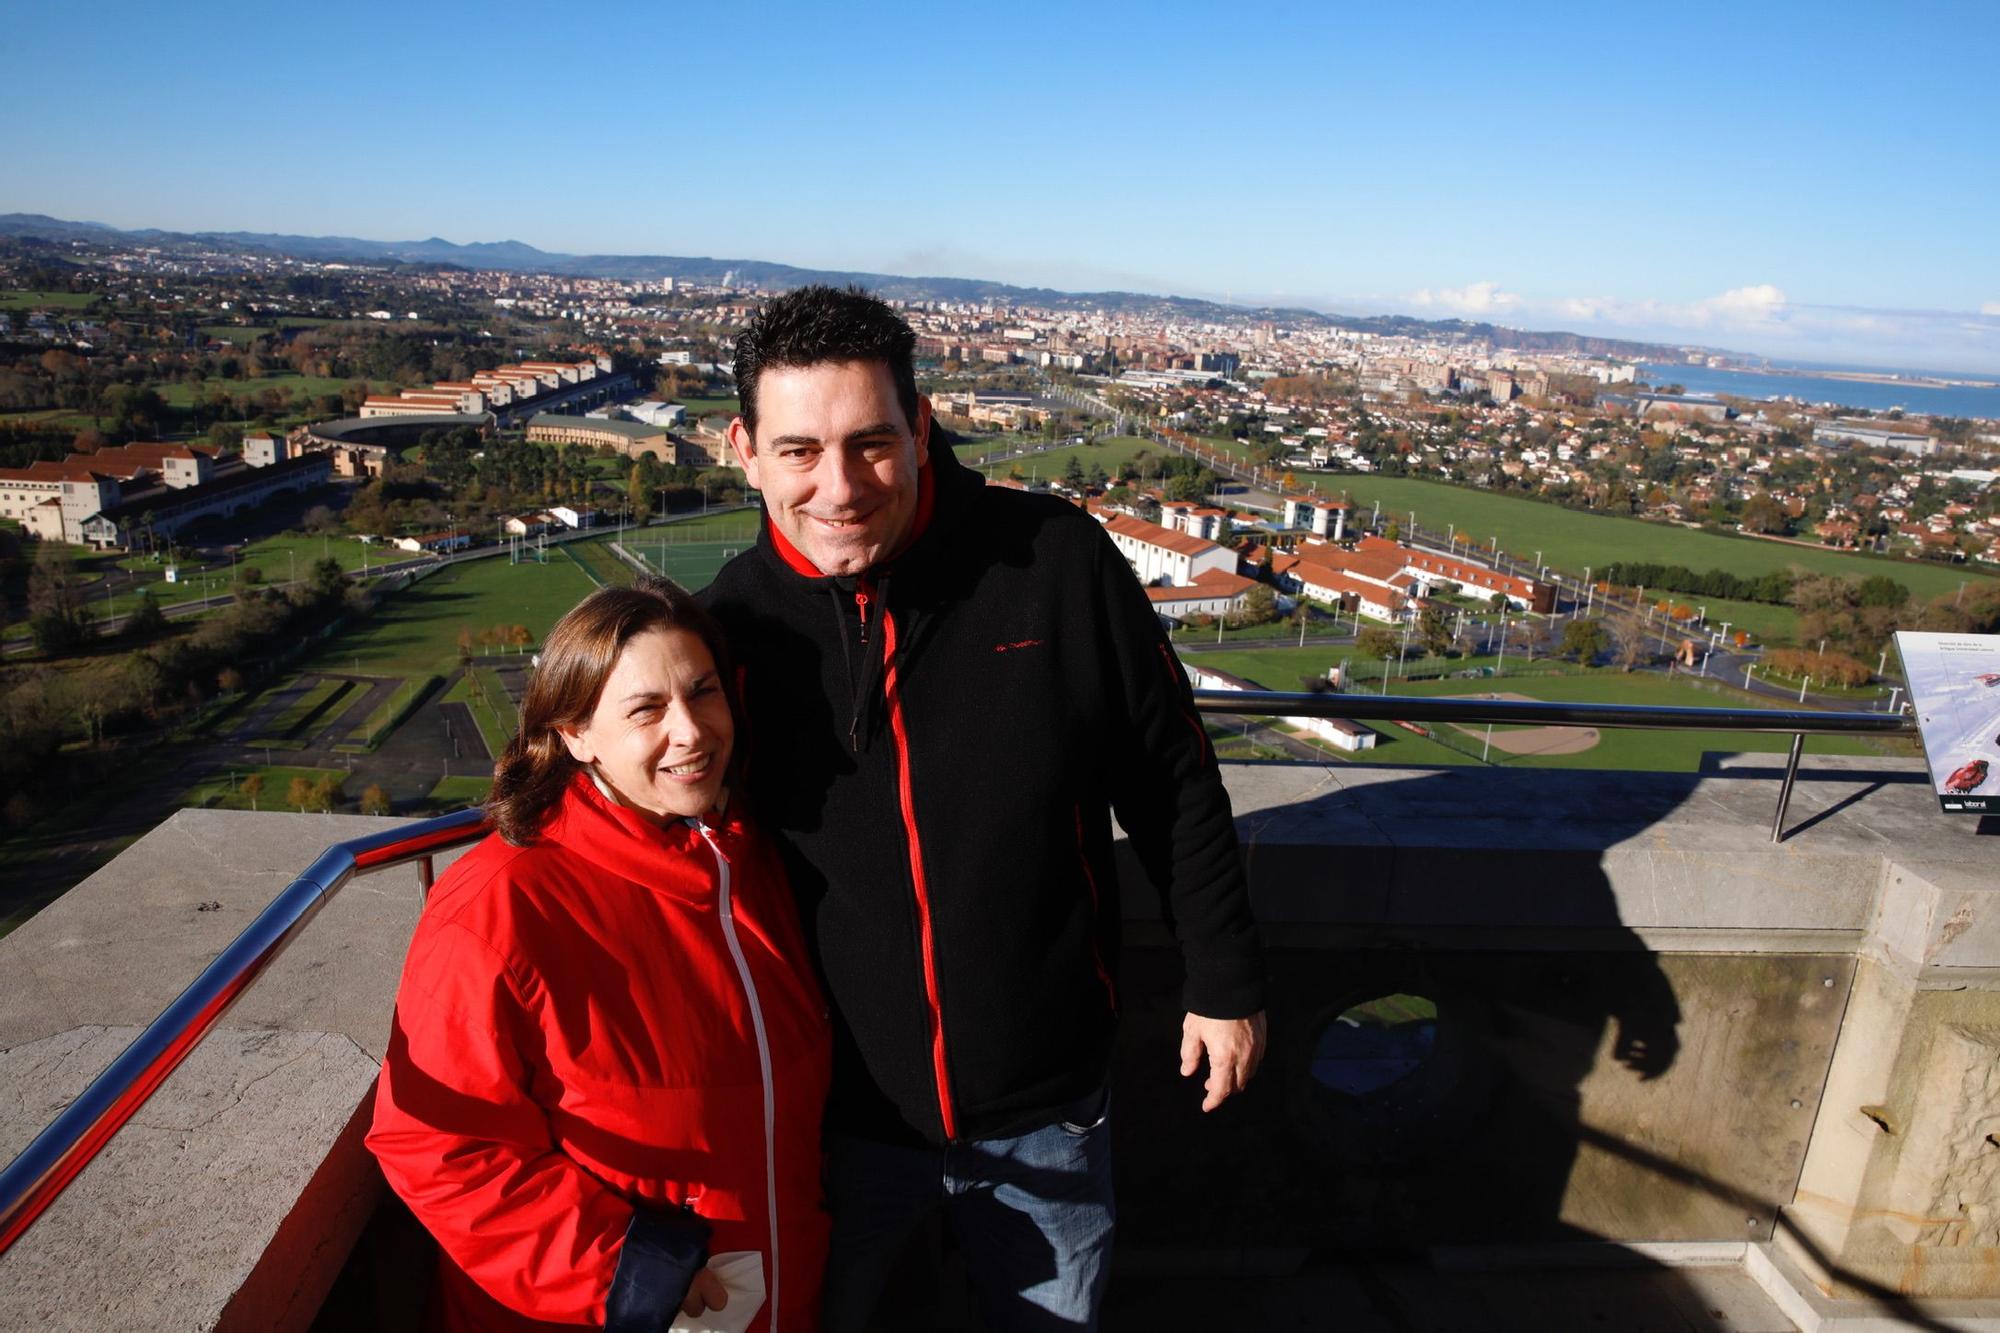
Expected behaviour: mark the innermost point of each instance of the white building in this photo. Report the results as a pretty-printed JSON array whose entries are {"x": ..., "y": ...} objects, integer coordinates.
[{"x": 1161, "y": 555}]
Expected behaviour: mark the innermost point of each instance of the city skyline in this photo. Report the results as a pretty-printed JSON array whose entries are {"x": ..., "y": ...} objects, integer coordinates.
[{"x": 1702, "y": 177}]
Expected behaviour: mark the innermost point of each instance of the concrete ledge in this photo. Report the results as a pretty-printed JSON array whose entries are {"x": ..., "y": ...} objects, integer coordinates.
[
  {"x": 1567, "y": 911},
  {"x": 231, "y": 1200}
]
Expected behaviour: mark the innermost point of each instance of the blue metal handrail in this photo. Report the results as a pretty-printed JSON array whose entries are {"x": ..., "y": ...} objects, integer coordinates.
[{"x": 45, "y": 1168}]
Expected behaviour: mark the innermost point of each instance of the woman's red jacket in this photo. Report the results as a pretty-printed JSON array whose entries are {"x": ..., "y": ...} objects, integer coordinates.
[{"x": 616, "y": 1017}]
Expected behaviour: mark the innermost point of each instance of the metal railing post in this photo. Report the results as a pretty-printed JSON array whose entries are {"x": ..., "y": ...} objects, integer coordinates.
[{"x": 1785, "y": 789}]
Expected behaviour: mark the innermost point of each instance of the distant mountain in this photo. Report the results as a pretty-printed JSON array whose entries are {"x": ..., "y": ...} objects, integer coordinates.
[{"x": 519, "y": 257}]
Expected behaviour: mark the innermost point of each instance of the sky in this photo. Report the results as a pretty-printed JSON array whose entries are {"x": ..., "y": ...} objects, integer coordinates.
[{"x": 1815, "y": 182}]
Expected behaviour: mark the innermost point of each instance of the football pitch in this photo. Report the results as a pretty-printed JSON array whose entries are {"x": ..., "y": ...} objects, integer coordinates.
[{"x": 693, "y": 565}]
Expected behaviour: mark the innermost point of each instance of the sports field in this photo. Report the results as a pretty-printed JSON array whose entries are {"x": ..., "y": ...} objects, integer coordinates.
[
  {"x": 691, "y": 552},
  {"x": 1571, "y": 540},
  {"x": 414, "y": 633}
]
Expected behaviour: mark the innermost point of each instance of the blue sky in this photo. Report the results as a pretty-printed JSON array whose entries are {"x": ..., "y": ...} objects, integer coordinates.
[{"x": 1817, "y": 181}]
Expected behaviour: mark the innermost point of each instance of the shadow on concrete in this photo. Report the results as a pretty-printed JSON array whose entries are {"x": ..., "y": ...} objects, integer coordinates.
[{"x": 1450, "y": 970}]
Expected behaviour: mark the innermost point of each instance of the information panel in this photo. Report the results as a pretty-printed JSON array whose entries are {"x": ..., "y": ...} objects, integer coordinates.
[{"x": 1955, "y": 689}]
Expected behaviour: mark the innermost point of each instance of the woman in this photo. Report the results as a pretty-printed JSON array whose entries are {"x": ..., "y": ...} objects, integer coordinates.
[{"x": 607, "y": 1035}]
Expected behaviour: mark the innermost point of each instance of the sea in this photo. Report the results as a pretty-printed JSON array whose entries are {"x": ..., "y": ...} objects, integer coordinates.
[{"x": 1805, "y": 384}]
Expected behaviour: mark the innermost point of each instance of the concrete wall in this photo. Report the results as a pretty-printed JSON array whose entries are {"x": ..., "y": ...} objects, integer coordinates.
[
  {"x": 233, "y": 1198},
  {"x": 1652, "y": 1025}
]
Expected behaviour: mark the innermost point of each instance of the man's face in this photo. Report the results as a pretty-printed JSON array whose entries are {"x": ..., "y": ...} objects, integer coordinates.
[{"x": 836, "y": 460}]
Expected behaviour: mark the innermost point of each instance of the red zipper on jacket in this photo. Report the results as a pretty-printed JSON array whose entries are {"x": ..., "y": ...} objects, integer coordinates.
[{"x": 892, "y": 693}]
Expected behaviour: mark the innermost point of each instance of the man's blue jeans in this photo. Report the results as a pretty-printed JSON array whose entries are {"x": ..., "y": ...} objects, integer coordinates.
[{"x": 1032, "y": 1216}]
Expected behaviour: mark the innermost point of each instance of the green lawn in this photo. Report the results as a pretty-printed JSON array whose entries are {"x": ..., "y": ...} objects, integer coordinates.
[
  {"x": 598, "y": 562},
  {"x": 1571, "y": 540},
  {"x": 697, "y": 408},
  {"x": 415, "y": 631},
  {"x": 372, "y": 730},
  {"x": 292, "y": 555},
  {"x": 37, "y": 300},
  {"x": 493, "y": 712},
  {"x": 1110, "y": 453},
  {"x": 184, "y": 393},
  {"x": 1766, "y": 623},
  {"x": 224, "y": 791},
  {"x": 306, "y": 708},
  {"x": 240, "y": 334},
  {"x": 458, "y": 793}
]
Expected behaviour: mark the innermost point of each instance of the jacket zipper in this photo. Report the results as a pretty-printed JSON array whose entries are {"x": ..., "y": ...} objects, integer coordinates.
[
  {"x": 727, "y": 910},
  {"x": 1096, "y": 910},
  {"x": 906, "y": 796}
]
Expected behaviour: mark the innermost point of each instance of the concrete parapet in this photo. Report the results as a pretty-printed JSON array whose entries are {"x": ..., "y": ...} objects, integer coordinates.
[
  {"x": 234, "y": 1196},
  {"x": 1652, "y": 1025}
]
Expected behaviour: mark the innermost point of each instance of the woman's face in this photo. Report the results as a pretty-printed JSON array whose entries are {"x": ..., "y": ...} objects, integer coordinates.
[{"x": 661, "y": 733}]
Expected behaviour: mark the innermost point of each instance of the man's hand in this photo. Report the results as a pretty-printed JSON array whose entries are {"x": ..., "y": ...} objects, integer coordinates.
[
  {"x": 705, "y": 1293},
  {"x": 1234, "y": 1046}
]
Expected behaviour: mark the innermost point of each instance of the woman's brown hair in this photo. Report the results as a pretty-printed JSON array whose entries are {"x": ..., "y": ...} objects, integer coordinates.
[{"x": 570, "y": 672}]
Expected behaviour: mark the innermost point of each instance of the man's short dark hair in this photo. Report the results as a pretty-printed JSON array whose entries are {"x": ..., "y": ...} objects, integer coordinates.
[{"x": 815, "y": 325}]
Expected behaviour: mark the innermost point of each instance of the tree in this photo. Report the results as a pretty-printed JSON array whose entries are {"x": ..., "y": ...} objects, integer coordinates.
[
  {"x": 146, "y": 619},
  {"x": 299, "y": 792},
  {"x": 374, "y": 801},
  {"x": 1763, "y": 514},
  {"x": 639, "y": 494},
  {"x": 1260, "y": 606},
  {"x": 325, "y": 579},
  {"x": 1498, "y": 601},
  {"x": 1583, "y": 640},
  {"x": 1073, "y": 473},
  {"x": 58, "y": 617},
  {"x": 1434, "y": 630},
  {"x": 1632, "y": 640},
  {"x": 252, "y": 787},
  {"x": 1375, "y": 641},
  {"x": 325, "y": 793}
]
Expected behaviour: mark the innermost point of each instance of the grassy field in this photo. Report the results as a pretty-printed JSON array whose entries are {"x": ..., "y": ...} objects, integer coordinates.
[
  {"x": 493, "y": 712},
  {"x": 306, "y": 708},
  {"x": 1618, "y": 748},
  {"x": 184, "y": 393},
  {"x": 291, "y": 554},
  {"x": 224, "y": 791},
  {"x": 1571, "y": 540},
  {"x": 1110, "y": 453},
  {"x": 51, "y": 301},
  {"x": 415, "y": 631},
  {"x": 386, "y": 716},
  {"x": 697, "y": 408},
  {"x": 458, "y": 793},
  {"x": 598, "y": 563},
  {"x": 240, "y": 334}
]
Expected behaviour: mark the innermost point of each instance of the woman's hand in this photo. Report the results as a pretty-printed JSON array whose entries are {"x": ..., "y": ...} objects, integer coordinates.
[{"x": 705, "y": 1293}]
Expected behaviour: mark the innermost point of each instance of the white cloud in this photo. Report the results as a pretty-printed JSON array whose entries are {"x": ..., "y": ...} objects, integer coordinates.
[
  {"x": 1991, "y": 308},
  {"x": 1479, "y": 298},
  {"x": 1755, "y": 305}
]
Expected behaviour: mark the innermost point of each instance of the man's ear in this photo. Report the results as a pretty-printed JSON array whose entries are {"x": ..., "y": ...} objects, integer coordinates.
[
  {"x": 745, "y": 449},
  {"x": 923, "y": 430},
  {"x": 578, "y": 745}
]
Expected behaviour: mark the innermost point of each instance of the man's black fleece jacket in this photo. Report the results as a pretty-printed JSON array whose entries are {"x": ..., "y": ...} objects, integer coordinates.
[{"x": 938, "y": 747}]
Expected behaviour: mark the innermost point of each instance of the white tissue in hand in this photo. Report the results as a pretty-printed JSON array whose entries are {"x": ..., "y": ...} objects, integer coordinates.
[{"x": 742, "y": 1274}]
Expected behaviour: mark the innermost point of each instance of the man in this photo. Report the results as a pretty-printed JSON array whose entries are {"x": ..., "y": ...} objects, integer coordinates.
[{"x": 950, "y": 688}]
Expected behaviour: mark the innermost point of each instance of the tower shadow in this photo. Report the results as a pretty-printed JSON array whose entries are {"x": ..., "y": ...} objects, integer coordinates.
[{"x": 1476, "y": 1063}]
